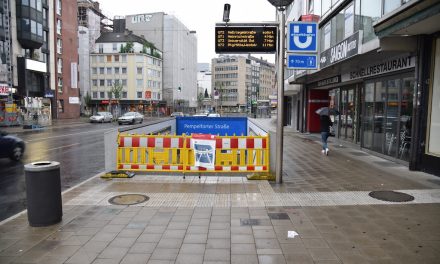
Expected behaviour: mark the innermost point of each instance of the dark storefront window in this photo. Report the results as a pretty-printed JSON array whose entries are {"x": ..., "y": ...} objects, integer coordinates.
[{"x": 386, "y": 125}]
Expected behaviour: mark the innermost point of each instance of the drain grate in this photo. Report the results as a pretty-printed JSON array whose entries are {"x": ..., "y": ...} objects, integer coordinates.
[
  {"x": 391, "y": 196},
  {"x": 128, "y": 199},
  {"x": 278, "y": 216},
  {"x": 358, "y": 154}
]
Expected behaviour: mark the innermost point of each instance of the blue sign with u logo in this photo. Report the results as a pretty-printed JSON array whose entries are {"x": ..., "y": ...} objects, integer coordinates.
[{"x": 302, "y": 37}]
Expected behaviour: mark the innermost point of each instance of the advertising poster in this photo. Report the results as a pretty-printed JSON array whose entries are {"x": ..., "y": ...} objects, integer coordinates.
[{"x": 204, "y": 150}]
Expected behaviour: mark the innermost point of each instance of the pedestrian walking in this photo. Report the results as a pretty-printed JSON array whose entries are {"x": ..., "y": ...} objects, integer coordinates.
[{"x": 326, "y": 123}]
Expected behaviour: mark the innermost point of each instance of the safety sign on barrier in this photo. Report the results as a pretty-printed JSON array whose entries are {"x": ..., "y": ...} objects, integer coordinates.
[{"x": 204, "y": 150}]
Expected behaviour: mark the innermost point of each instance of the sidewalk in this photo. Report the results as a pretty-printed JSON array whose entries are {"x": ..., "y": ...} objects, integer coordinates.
[{"x": 323, "y": 201}]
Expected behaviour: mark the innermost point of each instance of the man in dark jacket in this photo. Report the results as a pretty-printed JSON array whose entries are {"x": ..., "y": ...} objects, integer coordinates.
[{"x": 326, "y": 123}]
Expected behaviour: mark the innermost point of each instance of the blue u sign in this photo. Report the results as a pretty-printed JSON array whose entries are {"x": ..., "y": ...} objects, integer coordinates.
[{"x": 302, "y": 37}]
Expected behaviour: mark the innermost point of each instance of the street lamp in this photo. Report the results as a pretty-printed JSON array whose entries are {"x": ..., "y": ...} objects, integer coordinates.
[{"x": 280, "y": 5}]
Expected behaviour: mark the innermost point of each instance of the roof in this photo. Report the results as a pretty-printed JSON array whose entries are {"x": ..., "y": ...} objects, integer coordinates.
[{"x": 110, "y": 37}]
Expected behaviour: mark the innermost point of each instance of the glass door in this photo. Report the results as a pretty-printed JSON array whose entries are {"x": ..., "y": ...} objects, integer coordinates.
[
  {"x": 405, "y": 117},
  {"x": 392, "y": 119},
  {"x": 379, "y": 116},
  {"x": 367, "y": 120}
]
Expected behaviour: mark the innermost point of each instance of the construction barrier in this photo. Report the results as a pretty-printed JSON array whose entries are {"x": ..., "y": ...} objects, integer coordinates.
[{"x": 171, "y": 153}]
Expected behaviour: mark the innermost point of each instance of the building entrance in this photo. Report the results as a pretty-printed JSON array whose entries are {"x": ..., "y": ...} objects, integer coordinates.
[{"x": 387, "y": 115}]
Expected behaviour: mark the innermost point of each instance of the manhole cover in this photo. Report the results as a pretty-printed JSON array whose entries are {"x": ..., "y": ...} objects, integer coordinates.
[
  {"x": 128, "y": 199},
  {"x": 391, "y": 196}
]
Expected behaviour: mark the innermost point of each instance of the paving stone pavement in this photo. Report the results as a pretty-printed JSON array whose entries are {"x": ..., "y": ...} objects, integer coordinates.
[{"x": 323, "y": 202}]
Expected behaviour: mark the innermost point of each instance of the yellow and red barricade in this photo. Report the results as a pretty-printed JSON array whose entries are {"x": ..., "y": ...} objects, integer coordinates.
[{"x": 171, "y": 153}]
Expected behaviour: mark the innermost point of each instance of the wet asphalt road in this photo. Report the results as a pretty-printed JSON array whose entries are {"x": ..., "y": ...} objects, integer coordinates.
[{"x": 78, "y": 147}]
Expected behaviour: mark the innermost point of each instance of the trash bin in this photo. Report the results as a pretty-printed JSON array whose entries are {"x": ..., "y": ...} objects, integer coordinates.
[{"x": 43, "y": 193}]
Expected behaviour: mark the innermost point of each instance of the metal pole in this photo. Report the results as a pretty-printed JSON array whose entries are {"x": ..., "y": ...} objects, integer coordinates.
[{"x": 280, "y": 99}]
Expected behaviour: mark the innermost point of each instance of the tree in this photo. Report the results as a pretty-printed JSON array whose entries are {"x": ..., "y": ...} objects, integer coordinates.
[
  {"x": 87, "y": 100},
  {"x": 116, "y": 90},
  {"x": 200, "y": 100},
  {"x": 206, "y": 93}
]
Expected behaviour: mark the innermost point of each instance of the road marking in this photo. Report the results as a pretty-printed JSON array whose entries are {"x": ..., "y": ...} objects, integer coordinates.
[{"x": 66, "y": 146}]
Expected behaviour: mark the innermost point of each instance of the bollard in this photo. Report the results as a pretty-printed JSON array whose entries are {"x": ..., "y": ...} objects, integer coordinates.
[{"x": 43, "y": 193}]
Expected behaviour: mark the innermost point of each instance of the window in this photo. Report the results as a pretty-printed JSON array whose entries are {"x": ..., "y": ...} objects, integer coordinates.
[
  {"x": 95, "y": 82},
  {"x": 94, "y": 70},
  {"x": 433, "y": 147},
  {"x": 95, "y": 94},
  {"x": 109, "y": 70},
  {"x": 61, "y": 106},
  {"x": 60, "y": 84},
  {"x": 101, "y": 48},
  {"x": 39, "y": 6},
  {"x": 33, "y": 27},
  {"x": 115, "y": 47},
  {"x": 139, "y": 83},
  {"x": 370, "y": 13},
  {"x": 326, "y": 4},
  {"x": 116, "y": 58},
  {"x": 139, "y": 58},
  {"x": 25, "y": 24},
  {"x": 101, "y": 59},
  {"x": 124, "y": 70},
  {"x": 32, "y": 2},
  {"x": 60, "y": 65},
  {"x": 25, "y": 2},
  {"x": 94, "y": 59},
  {"x": 110, "y": 83},
  {"x": 58, "y": 27},
  {"x": 327, "y": 36},
  {"x": 139, "y": 70},
  {"x": 139, "y": 94},
  {"x": 58, "y": 7},
  {"x": 101, "y": 70},
  {"x": 101, "y": 82},
  {"x": 109, "y": 58},
  {"x": 349, "y": 21},
  {"x": 124, "y": 94},
  {"x": 101, "y": 94},
  {"x": 390, "y": 5},
  {"x": 116, "y": 70},
  {"x": 39, "y": 29},
  {"x": 124, "y": 82},
  {"x": 124, "y": 58},
  {"x": 109, "y": 95},
  {"x": 59, "y": 46}
]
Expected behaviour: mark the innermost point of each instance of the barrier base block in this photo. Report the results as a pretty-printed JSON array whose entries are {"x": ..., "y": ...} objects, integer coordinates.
[
  {"x": 262, "y": 176},
  {"x": 118, "y": 174}
]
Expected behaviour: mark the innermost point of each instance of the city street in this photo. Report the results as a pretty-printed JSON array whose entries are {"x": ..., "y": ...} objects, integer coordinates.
[{"x": 79, "y": 147}]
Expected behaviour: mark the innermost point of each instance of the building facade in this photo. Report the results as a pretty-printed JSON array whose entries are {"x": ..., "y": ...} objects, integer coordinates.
[
  {"x": 242, "y": 84},
  {"x": 204, "y": 84},
  {"x": 89, "y": 29},
  {"x": 374, "y": 70},
  {"x": 25, "y": 47},
  {"x": 126, "y": 60},
  {"x": 179, "y": 46},
  {"x": 66, "y": 59}
]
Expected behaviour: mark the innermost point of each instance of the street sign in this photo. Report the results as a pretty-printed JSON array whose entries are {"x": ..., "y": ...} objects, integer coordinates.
[
  {"x": 302, "y": 61},
  {"x": 302, "y": 37},
  {"x": 255, "y": 39}
]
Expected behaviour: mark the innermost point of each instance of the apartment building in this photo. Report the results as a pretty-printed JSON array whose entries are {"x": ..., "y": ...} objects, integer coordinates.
[
  {"x": 241, "y": 84},
  {"x": 179, "y": 47},
  {"x": 121, "y": 58}
]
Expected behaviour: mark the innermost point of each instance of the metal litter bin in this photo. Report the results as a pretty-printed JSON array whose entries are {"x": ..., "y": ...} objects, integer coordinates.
[{"x": 43, "y": 193}]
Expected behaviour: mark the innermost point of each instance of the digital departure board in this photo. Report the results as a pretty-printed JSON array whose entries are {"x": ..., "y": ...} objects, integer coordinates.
[{"x": 245, "y": 39}]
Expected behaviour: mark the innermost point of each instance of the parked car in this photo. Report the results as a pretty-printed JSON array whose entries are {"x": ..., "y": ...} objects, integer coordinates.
[
  {"x": 200, "y": 114},
  {"x": 101, "y": 117},
  {"x": 177, "y": 114},
  {"x": 11, "y": 147},
  {"x": 130, "y": 118},
  {"x": 213, "y": 115}
]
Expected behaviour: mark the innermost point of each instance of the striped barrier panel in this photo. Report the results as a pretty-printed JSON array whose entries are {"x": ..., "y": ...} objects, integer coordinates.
[{"x": 169, "y": 153}]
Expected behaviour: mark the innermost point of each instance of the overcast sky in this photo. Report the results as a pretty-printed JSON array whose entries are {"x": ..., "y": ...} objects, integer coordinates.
[{"x": 199, "y": 15}]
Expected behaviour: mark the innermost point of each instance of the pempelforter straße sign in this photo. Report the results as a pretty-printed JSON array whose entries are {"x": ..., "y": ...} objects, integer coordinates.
[{"x": 341, "y": 51}]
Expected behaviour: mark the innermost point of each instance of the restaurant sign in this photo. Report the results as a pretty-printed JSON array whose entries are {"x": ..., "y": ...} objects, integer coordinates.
[{"x": 341, "y": 51}]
